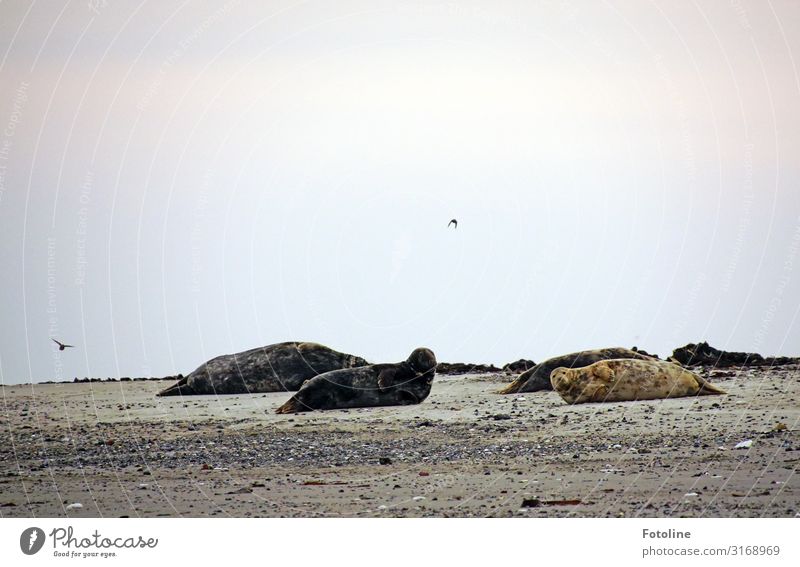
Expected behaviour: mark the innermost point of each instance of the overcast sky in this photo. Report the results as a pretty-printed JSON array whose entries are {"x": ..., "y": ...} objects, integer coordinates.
[{"x": 182, "y": 180}]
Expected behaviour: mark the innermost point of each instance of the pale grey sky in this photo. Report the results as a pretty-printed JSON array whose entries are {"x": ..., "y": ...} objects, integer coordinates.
[{"x": 182, "y": 180}]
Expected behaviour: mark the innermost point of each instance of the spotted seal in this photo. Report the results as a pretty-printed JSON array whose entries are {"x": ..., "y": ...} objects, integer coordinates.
[
  {"x": 625, "y": 379},
  {"x": 404, "y": 383},
  {"x": 273, "y": 368},
  {"x": 538, "y": 377}
]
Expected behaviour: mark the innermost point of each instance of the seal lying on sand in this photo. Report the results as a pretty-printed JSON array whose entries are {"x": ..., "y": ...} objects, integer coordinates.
[
  {"x": 404, "y": 383},
  {"x": 273, "y": 368},
  {"x": 623, "y": 380},
  {"x": 538, "y": 377}
]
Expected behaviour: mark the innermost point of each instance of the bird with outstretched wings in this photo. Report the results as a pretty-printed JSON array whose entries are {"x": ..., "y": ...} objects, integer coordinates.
[
  {"x": 62, "y": 346},
  {"x": 454, "y": 222}
]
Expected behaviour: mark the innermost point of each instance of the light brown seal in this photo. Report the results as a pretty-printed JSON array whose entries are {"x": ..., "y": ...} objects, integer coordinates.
[{"x": 623, "y": 380}]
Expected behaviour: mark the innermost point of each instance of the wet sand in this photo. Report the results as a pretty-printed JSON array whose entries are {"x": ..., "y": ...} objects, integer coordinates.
[{"x": 117, "y": 450}]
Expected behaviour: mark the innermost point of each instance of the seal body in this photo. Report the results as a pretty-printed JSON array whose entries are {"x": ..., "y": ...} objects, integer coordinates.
[
  {"x": 538, "y": 377},
  {"x": 273, "y": 368},
  {"x": 622, "y": 380},
  {"x": 404, "y": 383}
]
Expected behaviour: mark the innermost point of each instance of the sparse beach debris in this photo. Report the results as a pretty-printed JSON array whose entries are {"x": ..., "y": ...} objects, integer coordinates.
[
  {"x": 74, "y": 506},
  {"x": 531, "y": 503},
  {"x": 573, "y": 502},
  {"x": 744, "y": 444}
]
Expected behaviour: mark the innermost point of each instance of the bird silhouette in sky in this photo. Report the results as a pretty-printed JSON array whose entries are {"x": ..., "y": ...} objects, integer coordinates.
[
  {"x": 62, "y": 346},
  {"x": 454, "y": 222}
]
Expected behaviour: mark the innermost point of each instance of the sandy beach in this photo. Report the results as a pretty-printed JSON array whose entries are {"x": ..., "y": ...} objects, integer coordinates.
[{"x": 117, "y": 450}]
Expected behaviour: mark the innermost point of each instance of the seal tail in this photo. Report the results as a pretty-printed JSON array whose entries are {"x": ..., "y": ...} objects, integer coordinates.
[
  {"x": 181, "y": 387},
  {"x": 512, "y": 388},
  {"x": 292, "y": 406},
  {"x": 708, "y": 389}
]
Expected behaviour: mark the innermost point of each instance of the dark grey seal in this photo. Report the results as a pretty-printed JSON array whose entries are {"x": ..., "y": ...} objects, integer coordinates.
[
  {"x": 404, "y": 383},
  {"x": 280, "y": 367},
  {"x": 538, "y": 377}
]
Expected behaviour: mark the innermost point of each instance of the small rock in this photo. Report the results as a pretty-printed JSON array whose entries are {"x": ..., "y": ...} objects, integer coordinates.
[
  {"x": 75, "y": 506},
  {"x": 531, "y": 503},
  {"x": 744, "y": 444},
  {"x": 385, "y": 461}
]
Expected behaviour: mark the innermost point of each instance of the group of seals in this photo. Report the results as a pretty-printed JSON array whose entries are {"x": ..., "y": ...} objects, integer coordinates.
[
  {"x": 538, "y": 377},
  {"x": 404, "y": 383},
  {"x": 328, "y": 379},
  {"x": 628, "y": 379},
  {"x": 280, "y": 367}
]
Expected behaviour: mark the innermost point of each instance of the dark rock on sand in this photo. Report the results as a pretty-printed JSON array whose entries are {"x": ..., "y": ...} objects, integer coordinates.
[
  {"x": 538, "y": 377},
  {"x": 273, "y": 368},
  {"x": 465, "y": 368},
  {"x": 644, "y": 352},
  {"x": 520, "y": 365},
  {"x": 703, "y": 354}
]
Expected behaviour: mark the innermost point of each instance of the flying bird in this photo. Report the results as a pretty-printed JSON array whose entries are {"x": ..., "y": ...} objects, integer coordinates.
[
  {"x": 454, "y": 222},
  {"x": 62, "y": 346}
]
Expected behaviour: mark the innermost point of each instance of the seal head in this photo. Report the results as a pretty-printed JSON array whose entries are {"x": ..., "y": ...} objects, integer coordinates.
[{"x": 422, "y": 360}]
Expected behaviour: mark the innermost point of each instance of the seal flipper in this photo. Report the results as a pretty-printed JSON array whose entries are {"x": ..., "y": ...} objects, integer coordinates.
[
  {"x": 180, "y": 388},
  {"x": 707, "y": 388},
  {"x": 292, "y": 406},
  {"x": 385, "y": 379},
  {"x": 406, "y": 398}
]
